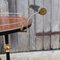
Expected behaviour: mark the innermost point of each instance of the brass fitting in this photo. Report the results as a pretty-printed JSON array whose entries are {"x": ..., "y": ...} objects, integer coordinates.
[
  {"x": 7, "y": 47},
  {"x": 21, "y": 28},
  {"x": 42, "y": 11}
]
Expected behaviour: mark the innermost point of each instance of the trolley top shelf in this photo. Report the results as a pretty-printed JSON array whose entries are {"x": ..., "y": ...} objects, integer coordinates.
[{"x": 12, "y": 23}]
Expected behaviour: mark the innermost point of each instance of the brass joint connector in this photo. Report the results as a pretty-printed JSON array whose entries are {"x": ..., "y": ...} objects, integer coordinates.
[{"x": 7, "y": 47}]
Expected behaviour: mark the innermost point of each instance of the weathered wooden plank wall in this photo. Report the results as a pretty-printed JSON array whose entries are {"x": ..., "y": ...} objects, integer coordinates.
[
  {"x": 32, "y": 29},
  {"x": 13, "y": 37},
  {"x": 59, "y": 21},
  {"x": 23, "y": 38},
  {"x": 27, "y": 41},
  {"x": 46, "y": 21},
  {"x": 55, "y": 24},
  {"x": 39, "y": 27}
]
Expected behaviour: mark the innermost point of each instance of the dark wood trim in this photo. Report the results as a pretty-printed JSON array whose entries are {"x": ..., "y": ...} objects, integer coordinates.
[{"x": 47, "y": 33}]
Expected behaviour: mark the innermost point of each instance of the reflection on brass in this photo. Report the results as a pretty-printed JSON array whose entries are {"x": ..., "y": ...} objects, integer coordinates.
[
  {"x": 7, "y": 47},
  {"x": 25, "y": 30},
  {"x": 42, "y": 11}
]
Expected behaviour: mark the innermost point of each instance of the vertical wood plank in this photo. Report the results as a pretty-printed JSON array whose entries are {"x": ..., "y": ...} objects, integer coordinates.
[
  {"x": 23, "y": 40},
  {"x": 32, "y": 28},
  {"x": 55, "y": 25},
  {"x": 59, "y": 19},
  {"x": 47, "y": 5},
  {"x": 1, "y": 45},
  {"x": 39, "y": 26},
  {"x": 3, "y": 9},
  {"x": 12, "y": 6},
  {"x": 13, "y": 37},
  {"x": 13, "y": 41}
]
